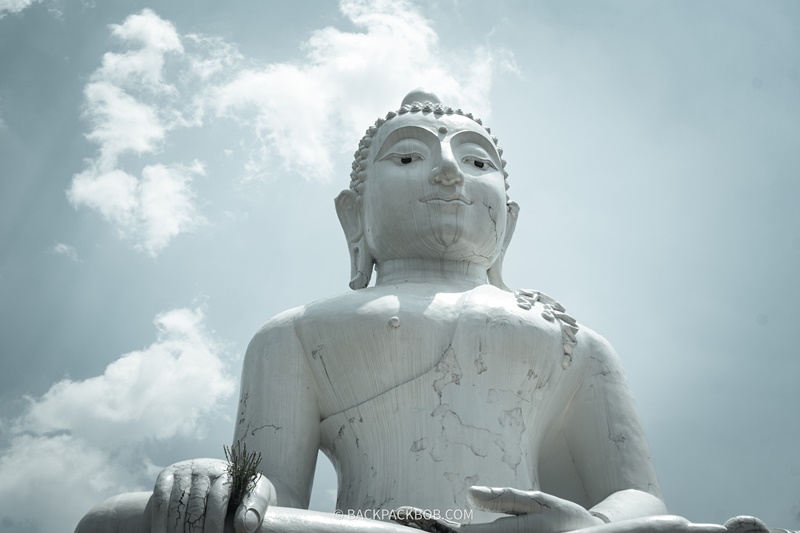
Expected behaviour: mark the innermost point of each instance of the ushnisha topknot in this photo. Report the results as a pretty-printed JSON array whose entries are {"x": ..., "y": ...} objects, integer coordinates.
[{"x": 417, "y": 101}]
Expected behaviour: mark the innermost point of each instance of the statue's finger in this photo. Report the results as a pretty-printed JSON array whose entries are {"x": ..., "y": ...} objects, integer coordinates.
[
  {"x": 506, "y": 500},
  {"x": 196, "y": 505},
  {"x": 179, "y": 498},
  {"x": 490, "y": 499},
  {"x": 217, "y": 505},
  {"x": 254, "y": 506},
  {"x": 159, "y": 507},
  {"x": 213, "y": 468}
]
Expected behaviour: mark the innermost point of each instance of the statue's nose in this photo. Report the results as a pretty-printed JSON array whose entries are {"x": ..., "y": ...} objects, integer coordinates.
[{"x": 447, "y": 172}]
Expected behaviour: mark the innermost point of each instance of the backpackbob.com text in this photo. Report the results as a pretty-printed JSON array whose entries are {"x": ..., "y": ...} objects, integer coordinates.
[{"x": 456, "y": 515}]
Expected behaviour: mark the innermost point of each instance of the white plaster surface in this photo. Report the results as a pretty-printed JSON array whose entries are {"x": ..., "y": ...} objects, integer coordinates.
[{"x": 438, "y": 388}]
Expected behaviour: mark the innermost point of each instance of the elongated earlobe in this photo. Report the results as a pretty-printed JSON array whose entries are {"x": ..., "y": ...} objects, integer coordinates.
[
  {"x": 348, "y": 208},
  {"x": 360, "y": 265},
  {"x": 495, "y": 272}
]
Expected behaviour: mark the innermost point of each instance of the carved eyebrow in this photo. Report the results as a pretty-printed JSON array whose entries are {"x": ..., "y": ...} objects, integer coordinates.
[
  {"x": 417, "y": 133},
  {"x": 467, "y": 136}
]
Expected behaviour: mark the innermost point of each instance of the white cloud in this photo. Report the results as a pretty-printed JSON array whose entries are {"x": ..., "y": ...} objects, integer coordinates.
[
  {"x": 63, "y": 471},
  {"x": 167, "y": 203},
  {"x": 151, "y": 210},
  {"x": 111, "y": 193},
  {"x": 361, "y": 72},
  {"x": 159, "y": 392},
  {"x": 142, "y": 67},
  {"x": 163, "y": 81},
  {"x": 78, "y": 443},
  {"x": 122, "y": 124},
  {"x": 210, "y": 56},
  {"x": 60, "y": 248},
  {"x": 128, "y": 103},
  {"x": 508, "y": 63},
  {"x": 14, "y": 6}
]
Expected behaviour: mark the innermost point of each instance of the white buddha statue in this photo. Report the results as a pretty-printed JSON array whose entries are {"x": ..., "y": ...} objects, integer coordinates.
[{"x": 437, "y": 389}]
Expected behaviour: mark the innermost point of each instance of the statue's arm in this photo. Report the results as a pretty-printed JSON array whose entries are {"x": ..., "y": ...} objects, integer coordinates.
[
  {"x": 278, "y": 416},
  {"x": 607, "y": 441},
  {"x": 279, "y": 412}
]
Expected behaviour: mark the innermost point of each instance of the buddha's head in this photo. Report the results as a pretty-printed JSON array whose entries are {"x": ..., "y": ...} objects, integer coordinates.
[{"x": 428, "y": 182}]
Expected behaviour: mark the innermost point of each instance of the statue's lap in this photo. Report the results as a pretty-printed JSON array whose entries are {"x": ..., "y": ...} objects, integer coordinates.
[{"x": 130, "y": 513}]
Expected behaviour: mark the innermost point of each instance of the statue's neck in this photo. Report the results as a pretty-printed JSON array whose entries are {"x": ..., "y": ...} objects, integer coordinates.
[{"x": 456, "y": 274}]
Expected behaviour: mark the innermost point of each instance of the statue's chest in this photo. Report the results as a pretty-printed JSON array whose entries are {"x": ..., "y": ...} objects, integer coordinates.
[{"x": 485, "y": 340}]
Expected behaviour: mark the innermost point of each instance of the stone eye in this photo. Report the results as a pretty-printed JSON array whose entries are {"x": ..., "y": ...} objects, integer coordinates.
[
  {"x": 480, "y": 164},
  {"x": 406, "y": 160}
]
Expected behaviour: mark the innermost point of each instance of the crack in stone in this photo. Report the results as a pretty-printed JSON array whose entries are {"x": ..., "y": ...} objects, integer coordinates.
[
  {"x": 606, "y": 369},
  {"x": 449, "y": 368},
  {"x": 243, "y": 406},
  {"x": 317, "y": 353},
  {"x": 512, "y": 421},
  {"x": 617, "y": 438},
  {"x": 196, "y": 506},
  {"x": 480, "y": 365},
  {"x": 492, "y": 215},
  {"x": 181, "y": 504},
  {"x": 419, "y": 445},
  {"x": 494, "y": 395},
  {"x": 446, "y": 353},
  {"x": 259, "y": 428},
  {"x": 454, "y": 431},
  {"x": 465, "y": 482}
]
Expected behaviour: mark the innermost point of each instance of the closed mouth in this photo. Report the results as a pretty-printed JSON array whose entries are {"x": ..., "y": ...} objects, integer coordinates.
[{"x": 438, "y": 197}]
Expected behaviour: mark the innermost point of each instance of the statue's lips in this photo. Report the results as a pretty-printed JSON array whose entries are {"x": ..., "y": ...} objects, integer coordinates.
[{"x": 441, "y": 198}]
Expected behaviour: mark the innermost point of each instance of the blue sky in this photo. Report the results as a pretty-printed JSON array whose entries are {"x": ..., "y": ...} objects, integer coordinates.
[{"x": 167, "y": 182}]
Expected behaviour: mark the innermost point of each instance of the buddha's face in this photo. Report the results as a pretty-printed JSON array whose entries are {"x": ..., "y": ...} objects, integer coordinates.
[{"x": 434, "y": 189}]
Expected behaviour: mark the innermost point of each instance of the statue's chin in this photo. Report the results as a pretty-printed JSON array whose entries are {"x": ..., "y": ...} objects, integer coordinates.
[
  {"x": 455, "y": 247},
  {"x": 448, "y": 237}
]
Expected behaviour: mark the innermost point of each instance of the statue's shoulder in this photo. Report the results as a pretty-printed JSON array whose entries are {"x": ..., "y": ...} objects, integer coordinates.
[
  {"x": 283, "y": 336},
  {"x": 280, "y": 325},
  {"x": 288, "y": 321},
  {"x": 578, "y": 340},
  {"x": 341, "y": 306}
]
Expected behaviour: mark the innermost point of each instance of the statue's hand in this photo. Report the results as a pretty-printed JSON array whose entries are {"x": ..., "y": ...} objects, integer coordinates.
[
  {"x": 534, "y": 510},
  {"x": 193, "y": 496}
]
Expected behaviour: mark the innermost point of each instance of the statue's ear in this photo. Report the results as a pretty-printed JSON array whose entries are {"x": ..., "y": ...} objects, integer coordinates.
[
  {"x": 348, "y": 208},
  {"x": 495, "y": 272}
]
